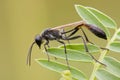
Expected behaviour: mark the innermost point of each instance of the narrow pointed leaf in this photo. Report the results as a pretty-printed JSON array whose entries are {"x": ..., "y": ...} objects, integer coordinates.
[
  {"x": 90, "y": 18},
  {"x": 113, "y": 65},
  {"x": 115, "y": 46},
  {"x": 118, "y": 34},
  {"x": 58, "y": 67},
  {"x": 102, "y": 74},
  {"x": 81, "y": 48},
  {"x": 71, "y": 54},
  {"x": 103, "y": 18}
]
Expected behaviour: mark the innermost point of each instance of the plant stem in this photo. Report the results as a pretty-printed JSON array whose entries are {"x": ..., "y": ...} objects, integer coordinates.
[
  {"x": 97, "y": 65},
  {"x": 103, "y": 53}
]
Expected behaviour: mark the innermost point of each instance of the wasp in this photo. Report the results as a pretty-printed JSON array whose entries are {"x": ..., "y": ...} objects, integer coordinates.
[{"x": 60, "y": 36}]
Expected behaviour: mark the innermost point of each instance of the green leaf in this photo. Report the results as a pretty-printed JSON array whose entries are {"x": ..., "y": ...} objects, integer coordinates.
[
  {"x": 80, "y": 47},
  {"x": 71, "y": 54},
  {"x": 103, "y": 18},
  {"x": 115, "y": 46},
  {"x": 118, "y": 34},
  {"x": 113, "y": 65},
  {"x": 58, "y": 67},
  {"x": 90, "y": 18},
  {"x": 102, "y": 74}
]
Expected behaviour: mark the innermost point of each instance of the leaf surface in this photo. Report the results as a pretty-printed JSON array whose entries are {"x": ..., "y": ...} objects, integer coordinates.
[
  {"x": 113, "y": 65},
  {"x": 81, "y": 48},
  {"x": 115, "y": 46},
  {"x": 71, "y": 54},
  {"x": 103, "y": 18},
  {"x": 90, "y": 18},
  {"x": 58, "y": 67},
  {"x": 102, "y": 74}
]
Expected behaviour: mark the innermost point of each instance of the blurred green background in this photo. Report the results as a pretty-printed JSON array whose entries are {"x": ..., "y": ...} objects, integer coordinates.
[{"x": 21, "y": 20}]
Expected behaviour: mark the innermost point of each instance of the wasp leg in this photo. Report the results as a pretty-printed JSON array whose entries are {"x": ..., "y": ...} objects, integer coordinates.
[
  {"x": 86, "y": 38},
  {"x": 70, "y": 38},
  {"x": 73, "y": 30},
  {"x": 64, "y": 33},
  {"x": 68, "y": 31},
  {"x": 65, "y": 52},
  {"x": 46, "y": 44},
  {"x": 75, "y": 37},
  {"x": 86, "y": 48},
  {"x": 90, "y": 41}
]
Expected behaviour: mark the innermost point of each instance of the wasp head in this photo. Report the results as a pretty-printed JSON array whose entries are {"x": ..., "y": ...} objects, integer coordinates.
[{"x": 38, "y": 40}]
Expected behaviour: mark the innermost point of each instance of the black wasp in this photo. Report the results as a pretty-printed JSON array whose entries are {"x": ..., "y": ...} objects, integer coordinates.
[{"x": 58, "y": 35}]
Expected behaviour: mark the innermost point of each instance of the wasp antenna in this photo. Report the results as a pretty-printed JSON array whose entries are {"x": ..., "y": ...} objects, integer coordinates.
[{"x": 29, "y": 54}]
